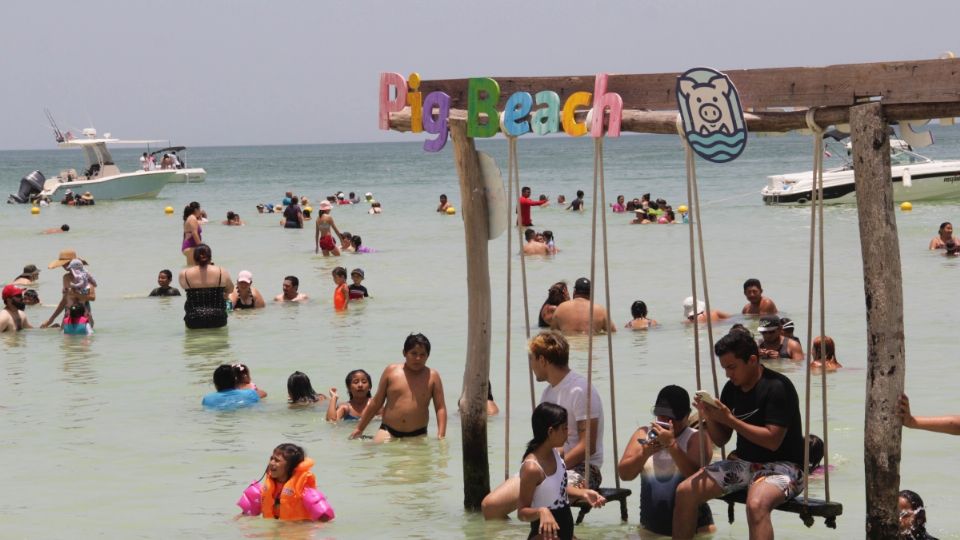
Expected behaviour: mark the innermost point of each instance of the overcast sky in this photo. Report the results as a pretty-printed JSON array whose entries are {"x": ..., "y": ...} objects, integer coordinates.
[{"x": 284, "y": 72}]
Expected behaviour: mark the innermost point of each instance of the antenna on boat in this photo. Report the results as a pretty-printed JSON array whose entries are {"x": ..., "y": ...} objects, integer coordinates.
[{"x": 53, "y": 124}]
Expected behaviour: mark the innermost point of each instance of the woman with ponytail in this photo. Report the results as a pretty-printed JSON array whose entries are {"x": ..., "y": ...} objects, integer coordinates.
[{"x": 543, "y": 478}]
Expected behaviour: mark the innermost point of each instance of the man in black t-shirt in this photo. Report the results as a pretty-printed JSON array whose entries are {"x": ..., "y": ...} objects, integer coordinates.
[{"x": 761, "y": 405}]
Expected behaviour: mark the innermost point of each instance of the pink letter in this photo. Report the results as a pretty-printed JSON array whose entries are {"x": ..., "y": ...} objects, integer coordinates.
[
  {"x": 387, "y": 105},
  {"x": 602, "y": 100}
]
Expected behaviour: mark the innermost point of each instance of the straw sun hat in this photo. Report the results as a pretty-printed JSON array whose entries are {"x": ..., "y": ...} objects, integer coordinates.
[{"x": 65, "y": 257}]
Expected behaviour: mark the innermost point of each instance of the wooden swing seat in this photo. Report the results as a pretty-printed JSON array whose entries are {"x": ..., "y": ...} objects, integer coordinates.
[
  {"x": 610, "y": 494},
  {"x": 807, "y": 509}
]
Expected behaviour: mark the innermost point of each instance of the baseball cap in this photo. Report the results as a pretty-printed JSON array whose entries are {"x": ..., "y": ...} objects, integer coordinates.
[
  {"x": 245, "y": 276},
  {"x": 786, "y": 323},
  {"x": 358, "y": 271},
  {"x": 768, "y": 323},
  {"x": 11, "y": 290},
  {"x": 672, "y": 401},
  {"x": 582, "y": 285}
]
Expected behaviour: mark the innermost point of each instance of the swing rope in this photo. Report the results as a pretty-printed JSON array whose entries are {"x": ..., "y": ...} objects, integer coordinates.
[
  {"x": 601, "y": 202},
  {"x": 693, "y": 196},
  {"x": 816, "y": 241},
  {"x": 513, "y": 182}
]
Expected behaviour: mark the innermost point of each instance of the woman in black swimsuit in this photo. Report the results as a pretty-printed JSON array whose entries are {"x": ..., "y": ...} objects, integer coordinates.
[
  {"x": 207, "y": 287},
  {"x": 246, "y": 296}
]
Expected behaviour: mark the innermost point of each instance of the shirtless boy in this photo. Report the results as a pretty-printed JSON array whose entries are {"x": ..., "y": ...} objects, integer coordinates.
[{"x": 404, "y": 394}]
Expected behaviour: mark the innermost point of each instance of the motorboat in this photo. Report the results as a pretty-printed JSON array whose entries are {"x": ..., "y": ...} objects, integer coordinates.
[
  {"x": 185, "y": 175},
  {"x": 101, "y": 177},
  {"x": 915, "y": 178}
]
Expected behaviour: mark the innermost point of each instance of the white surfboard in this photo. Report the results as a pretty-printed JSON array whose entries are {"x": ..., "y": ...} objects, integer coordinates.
[{"x": 497, "y": 219}]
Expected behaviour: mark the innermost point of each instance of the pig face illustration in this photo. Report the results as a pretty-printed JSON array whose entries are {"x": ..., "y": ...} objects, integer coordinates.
[{"x": 709, "y": 105}]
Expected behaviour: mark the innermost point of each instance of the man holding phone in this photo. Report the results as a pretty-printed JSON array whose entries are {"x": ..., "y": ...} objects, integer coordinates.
[
  {"x": 762, "y": 407},
  {"x": 663, "y": 454}
]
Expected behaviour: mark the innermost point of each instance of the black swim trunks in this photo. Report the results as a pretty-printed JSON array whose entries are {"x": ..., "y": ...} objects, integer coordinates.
[{"x": 401, "y": 434}]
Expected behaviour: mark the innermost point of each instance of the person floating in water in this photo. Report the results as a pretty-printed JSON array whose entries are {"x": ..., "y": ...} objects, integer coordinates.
[
  {"x": 404, "y": 393},
  {"x": 289, "y": 490}
]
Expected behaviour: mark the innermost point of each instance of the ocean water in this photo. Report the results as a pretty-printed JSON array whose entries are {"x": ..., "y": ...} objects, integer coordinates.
[{"x": 107, "y": 434}]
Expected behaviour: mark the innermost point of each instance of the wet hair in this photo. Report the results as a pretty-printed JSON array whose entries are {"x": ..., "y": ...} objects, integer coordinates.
[
  {"x": 350, "y": 378},
  {"x": 293, "y": 454},
  {"x": 557, "y": 293},
  {"x": 739, "y": 328},
  {"x": 167, "y": 273},
  {"x": 443, "y": 196},
  {"x": 242, "y": 372},
  {"x": 339, "y": 272},
  {"x": 416, "y": 339},
  {"x": 816, "y": 450},
  {"x": 357, "y": 241},
  {"x": 230, "y": 215},
  {"x": 547, "y": 415},
  {"x": 299, "y": 388},
  {"x": 653, "y": 205},
  {"x": 639, "y": 310},
  {"x": 619, "y": 197},
  {"x": 188, "y": 211},
  {"x": 548, "y": 236},
  {"x": 579, "y": 193},
  {"x": 752, "y": 282},
  {"x": 740, "y": 344},
  {"x": 293, "y": 281},
  {"x": 942, "y": 227},
  {"x": 552, "y": 346},
  {"x": 76, "y": 311},
  {"x": 64, "y": 227},
  {"x": 224, "y": 377},
  {"x": 202, "y": 255},
  {"x": 529, "y": 234},
  {"x": 919, "y": 528},
  {"x": 347, "y": 236},
  {"x": 671, "y": 216},
  {"x": 829, "y": 348},
  {"x": 294, "y": 200}
]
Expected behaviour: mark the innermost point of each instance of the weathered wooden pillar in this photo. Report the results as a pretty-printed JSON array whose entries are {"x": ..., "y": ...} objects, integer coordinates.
[
  {"x": 883, "y": 291},
  {"x": 473, "y": 400}
]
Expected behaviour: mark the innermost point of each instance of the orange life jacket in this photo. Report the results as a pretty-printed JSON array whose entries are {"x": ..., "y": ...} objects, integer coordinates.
[{"x": 291, "y": 494}]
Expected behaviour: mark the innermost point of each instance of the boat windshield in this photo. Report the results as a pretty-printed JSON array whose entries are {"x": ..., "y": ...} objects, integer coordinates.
[
  {"x": 97, "y": 153},
  {"x": 903, "y": 157}
]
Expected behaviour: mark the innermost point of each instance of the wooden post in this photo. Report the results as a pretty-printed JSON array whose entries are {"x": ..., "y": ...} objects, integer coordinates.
[
  {"x": 883, "y": 291},
  {"x": 473, "y": 400}
]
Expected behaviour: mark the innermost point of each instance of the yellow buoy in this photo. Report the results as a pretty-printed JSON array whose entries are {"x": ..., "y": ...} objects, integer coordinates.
[
  {"x": 906, "y": 206},
  {"x": 168, "y": 210},
  {"x": 35, "y": 210},
  {"x": 682, "y": 209},
  {"x": 451, "y": 210}
]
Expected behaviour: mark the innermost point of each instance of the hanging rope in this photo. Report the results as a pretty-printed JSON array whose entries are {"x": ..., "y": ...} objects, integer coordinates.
[
  {"x": 597, "y": 150},
  {"x": 511, "y": 157},
  {"x": 693, "y": 196},
  {"x": 816, "y": 241},
  {"x": 515, "y": 171}
]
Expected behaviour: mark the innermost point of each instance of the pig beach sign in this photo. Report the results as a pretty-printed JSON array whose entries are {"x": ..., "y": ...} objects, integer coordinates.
[{"x": 708, "y": 102}]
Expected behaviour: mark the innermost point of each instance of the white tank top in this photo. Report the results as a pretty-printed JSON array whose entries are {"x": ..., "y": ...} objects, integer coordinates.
[
  {"x": 552, "y": 492},
  {"x": 661, "y": 464}
]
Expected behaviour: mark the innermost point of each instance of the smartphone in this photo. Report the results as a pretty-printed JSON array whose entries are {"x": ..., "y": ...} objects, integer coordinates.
[{"x": 706, "y": 398}]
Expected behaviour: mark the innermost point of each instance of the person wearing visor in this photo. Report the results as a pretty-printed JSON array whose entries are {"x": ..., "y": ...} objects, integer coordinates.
[
  {"x": 773, "y": 344},
  {"x": 663, "y": 454}
]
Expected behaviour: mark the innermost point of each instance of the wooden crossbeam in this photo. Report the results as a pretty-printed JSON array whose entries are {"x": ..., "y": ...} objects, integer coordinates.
[{"x": 914, "y": 81}]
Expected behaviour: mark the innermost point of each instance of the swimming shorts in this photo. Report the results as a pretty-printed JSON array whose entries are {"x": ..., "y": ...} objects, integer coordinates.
[
  {"x": 403, "y": 434},
  {"x": 327, "y": 243},
  {"x": 735, "y": 474},
  {"x": 564, "y": 518},
  {"x": 576, "y": 474}
]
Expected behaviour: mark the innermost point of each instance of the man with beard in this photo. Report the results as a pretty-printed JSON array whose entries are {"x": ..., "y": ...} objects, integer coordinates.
[{"x": 12, "y": 318}]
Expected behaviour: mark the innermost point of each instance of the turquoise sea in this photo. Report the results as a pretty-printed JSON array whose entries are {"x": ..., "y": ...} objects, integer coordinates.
[{"x": 105, "y": 436}]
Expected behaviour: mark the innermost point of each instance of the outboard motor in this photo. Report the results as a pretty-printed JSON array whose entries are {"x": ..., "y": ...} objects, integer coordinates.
[{"x": 30, "y": 184}]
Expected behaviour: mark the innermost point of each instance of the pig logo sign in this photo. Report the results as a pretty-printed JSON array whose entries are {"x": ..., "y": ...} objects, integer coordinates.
[{"x": 712, "y": 118}]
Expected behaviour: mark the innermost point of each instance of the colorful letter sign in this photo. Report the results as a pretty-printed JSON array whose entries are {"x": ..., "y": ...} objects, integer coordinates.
[{"x": 712, "y": 117}]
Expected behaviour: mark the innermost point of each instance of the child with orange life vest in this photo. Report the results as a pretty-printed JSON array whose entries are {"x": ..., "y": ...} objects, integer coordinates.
[
  {"x": 289, "y": 490},
  {"x": 341, "y": 295}
]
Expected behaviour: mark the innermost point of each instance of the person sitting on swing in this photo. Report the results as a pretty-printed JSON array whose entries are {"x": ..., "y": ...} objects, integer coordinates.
[
  {"x": 762, "y": 407},
  {"x": 663, "y": 453}
]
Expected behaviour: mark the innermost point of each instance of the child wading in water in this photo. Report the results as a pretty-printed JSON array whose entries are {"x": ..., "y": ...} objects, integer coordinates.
[
  {"x": 289, "y": 490},
  {"x": 243, "y": 379},
  {"x": 543, "y": 478},
  {"x": 404, "y": 393},
  {"x": 341, "y": 294},
  {"x": 76, "y": 323},
  {"x": 358, "y": 384}
]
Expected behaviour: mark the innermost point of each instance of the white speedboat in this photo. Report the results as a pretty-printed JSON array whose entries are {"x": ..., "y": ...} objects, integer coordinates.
[
  {"x": 101, "y": 177},
  {"x": 185, "y": 175},
  {"x": 915, "y": 178}
]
